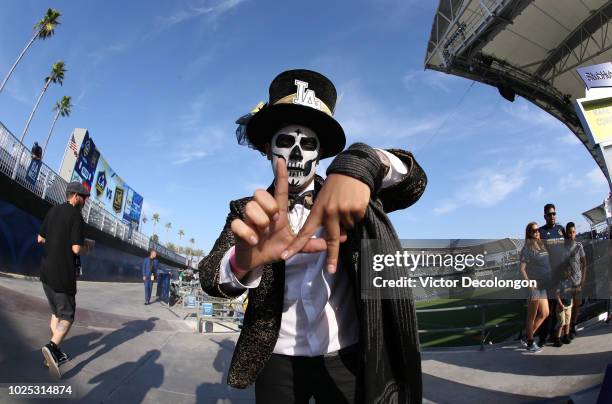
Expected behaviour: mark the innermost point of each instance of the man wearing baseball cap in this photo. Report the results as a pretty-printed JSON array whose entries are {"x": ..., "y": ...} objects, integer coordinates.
[{"x": 62, "y": 235}]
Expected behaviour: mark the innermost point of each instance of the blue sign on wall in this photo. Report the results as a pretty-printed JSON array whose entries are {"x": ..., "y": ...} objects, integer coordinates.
[{"x": 33, "y": 170}]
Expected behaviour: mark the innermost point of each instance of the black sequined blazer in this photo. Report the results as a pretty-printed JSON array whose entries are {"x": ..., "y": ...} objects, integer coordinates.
[{"x": 389, "y": 339}]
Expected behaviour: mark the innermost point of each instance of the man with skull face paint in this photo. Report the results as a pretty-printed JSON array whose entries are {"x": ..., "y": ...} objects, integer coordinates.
[
  {"x": 306, "y": 331},
  {"x": 299, "y": 146}
]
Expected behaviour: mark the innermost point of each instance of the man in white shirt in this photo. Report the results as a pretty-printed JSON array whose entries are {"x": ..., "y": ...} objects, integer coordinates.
[{"x": 303, "y": 328}]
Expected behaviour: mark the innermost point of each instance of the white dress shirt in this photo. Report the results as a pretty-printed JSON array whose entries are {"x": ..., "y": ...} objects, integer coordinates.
[{"x": 319, "y": 314}]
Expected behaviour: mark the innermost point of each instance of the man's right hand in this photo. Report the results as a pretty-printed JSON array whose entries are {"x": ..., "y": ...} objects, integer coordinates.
[{"x": 264, "y": 233}]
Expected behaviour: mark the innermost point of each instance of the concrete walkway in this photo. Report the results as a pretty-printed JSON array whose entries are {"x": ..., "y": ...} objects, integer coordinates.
[
  {"x": 125, "y": 352},
  {"x": 122, "y": 351},
  {"x": 508, "y": 374}
]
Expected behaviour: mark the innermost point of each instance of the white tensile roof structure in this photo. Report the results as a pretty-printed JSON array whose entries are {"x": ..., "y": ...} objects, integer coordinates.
[
  {"x": 595, "y": 216},
  {"x": 529, "y": 48}
]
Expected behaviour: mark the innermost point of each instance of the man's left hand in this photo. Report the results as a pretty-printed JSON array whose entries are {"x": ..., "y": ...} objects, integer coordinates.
[{"x": 340, "y": 204}]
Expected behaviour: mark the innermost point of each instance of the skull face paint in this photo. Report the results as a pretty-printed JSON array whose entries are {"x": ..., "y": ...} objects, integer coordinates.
[{"x": 299, "y": 146}]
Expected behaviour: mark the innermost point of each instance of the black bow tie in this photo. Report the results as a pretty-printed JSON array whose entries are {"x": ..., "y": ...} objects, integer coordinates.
[{"x": 306, "y": 199}]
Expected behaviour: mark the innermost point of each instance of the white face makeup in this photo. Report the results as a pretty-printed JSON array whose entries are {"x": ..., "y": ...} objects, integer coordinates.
[{"x": 299, "y": 146}]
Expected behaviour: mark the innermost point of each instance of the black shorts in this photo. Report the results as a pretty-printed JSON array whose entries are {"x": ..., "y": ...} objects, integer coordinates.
[{"x": 62, "y": 305}]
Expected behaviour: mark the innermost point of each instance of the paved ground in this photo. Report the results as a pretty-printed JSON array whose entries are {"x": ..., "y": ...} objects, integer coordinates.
[{"x": 125, "y": 352}]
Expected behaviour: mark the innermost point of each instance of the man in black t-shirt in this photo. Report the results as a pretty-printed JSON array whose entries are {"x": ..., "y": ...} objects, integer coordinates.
[
  {"x": 62, "y": 235},
  {"x": 553, "y": 236}
]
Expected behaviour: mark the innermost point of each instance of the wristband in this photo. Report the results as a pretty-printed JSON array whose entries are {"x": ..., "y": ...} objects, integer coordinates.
[{"x": 236, "y": 269}]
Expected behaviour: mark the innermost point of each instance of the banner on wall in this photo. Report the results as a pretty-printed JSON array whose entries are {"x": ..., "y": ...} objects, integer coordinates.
[
  {"x": 105, "y": 186},
  {"x": 71, "y": 153}
]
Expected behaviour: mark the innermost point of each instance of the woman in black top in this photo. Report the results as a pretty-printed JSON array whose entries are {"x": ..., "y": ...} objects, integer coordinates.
[{"x": 535, "y": 265}]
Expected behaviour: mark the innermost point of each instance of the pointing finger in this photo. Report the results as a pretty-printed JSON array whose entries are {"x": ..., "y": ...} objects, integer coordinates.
[{"x": 281, "y": 189}]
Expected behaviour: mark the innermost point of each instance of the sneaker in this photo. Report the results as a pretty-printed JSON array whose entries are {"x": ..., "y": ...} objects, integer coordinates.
[
  {"x": 534, "y": 348},
  {"x": 523, "y": 342},
  {"x": 52, "y": 361},
  {"x": 62, "y": 357},
  {"x": 566, "y": 340},
  {"x": 558, "y": 343}
]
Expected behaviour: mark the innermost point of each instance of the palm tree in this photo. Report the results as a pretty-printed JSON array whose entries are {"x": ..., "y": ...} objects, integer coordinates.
[
  {"x": 62, "y": 108},
  {"x": 181, "y": 233},
  {"x": 168, "y": 226},
  {"x": 190, "y": 252},
  {"x": 57, "y": 76},
  {"x": 155, "y": 219},
  {"x": 43, "y": 29}
]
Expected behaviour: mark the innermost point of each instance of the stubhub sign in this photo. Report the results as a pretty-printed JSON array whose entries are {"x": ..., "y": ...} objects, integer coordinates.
[{"x": 597, "y": 75}]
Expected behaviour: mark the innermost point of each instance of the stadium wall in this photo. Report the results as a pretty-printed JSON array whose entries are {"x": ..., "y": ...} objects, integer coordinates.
[{"x": 21, "y": 214}]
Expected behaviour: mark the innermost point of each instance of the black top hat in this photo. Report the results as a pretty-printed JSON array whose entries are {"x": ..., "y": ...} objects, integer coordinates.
[{"x": 299, "y": 97}]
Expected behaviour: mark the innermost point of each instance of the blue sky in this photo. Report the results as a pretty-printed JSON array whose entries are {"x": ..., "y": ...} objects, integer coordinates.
[{"x": 160, "y": 84}]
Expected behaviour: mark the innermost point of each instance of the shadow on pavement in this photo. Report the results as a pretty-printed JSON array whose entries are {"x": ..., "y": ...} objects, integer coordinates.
[
  {"x": 440, "y": 390},
  {"x": 130, "y": 330},
  {"x": 551, "y": 362},
  {"x": 211, "y": 392},
  {"x": 129, "y": 392}
]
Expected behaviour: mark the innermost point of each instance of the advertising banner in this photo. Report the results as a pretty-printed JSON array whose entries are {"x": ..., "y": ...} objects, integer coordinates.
[
  {"x": 133, "y": 206},
  {"x": 33, "y": 170},
  {"x": 598, "y": 115},
  {"x": 86, "y": 163},
  {"x": 596, "y": 75},
  {"x": 106, "y": 187},
  {"x": 71, "y": 153}
]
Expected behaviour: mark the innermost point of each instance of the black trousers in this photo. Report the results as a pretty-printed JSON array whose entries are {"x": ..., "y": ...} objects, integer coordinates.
[{"x": 332, "y": 378}]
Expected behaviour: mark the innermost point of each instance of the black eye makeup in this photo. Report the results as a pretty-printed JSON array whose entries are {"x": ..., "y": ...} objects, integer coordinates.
[
  {"x": 284, "y": 140},
  {"x": 308, "y": 143}
]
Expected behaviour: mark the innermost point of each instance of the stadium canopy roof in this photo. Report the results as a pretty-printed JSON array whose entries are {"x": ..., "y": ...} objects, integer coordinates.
[
  {"x": 529, "y": 48},
  {"x": 596, "y": 215}
]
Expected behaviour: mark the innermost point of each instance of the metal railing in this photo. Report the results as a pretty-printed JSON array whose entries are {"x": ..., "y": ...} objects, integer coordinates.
[
  {"x": 483, "y": 328},
  {"x": 15, "y": 161}
]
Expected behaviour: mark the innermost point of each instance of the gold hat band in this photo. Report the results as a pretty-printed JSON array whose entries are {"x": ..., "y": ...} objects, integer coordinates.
[{"x": 289, "y": 99}]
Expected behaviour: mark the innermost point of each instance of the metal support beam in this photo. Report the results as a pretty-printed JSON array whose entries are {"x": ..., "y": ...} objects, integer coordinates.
[
  {"x": 450, "y": 11},
  {"x": 488, "y": 70},
  {"x": 577, "y": 43}
]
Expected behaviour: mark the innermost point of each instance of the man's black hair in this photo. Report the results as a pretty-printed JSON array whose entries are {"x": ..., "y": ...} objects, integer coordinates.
[
  {"x": 568, "y": 226},
  {"x": 548, "y": 206}
]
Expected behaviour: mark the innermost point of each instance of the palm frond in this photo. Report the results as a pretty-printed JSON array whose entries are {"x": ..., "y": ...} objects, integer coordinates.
[{"x": 46, "y": 25}]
